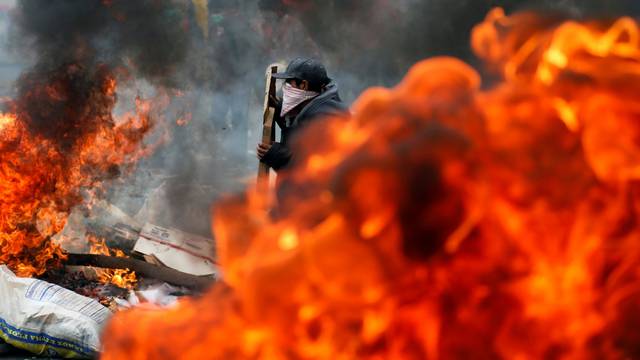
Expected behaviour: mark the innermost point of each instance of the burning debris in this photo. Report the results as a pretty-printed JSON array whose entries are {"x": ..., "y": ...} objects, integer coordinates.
[
  {"x": 122, "y": 278},
  {"x": 70, "y": 132},
  {"x": 60, "y": 142},
  {"x": 443, "y": 220},
  {"x": 58, "y": 145}
]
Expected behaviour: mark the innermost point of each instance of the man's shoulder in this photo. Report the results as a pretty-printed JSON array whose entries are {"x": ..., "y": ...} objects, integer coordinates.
[{"x": 327, "y": 107}]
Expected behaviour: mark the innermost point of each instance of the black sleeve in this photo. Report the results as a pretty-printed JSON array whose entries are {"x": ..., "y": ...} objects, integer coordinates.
[
  {"x": 278, "y": 156},
  {"x": 276, "y": 117}
]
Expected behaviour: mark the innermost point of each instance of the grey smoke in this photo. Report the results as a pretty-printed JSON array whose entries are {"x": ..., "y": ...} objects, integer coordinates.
[{"x": 76, "y": 44}]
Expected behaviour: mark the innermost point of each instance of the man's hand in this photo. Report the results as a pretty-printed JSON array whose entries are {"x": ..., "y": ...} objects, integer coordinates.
[{"x": 262, "y": 149}]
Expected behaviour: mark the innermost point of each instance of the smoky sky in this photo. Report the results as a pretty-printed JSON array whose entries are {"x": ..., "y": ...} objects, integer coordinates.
[
  {"x": 74, "y": 46},
  {"x": 371, "y": 40},
  {"x": 146, "y": 36}
]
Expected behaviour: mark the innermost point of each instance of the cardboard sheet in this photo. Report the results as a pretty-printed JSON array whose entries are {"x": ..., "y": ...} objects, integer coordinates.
[{"x": 176, "y": 249}]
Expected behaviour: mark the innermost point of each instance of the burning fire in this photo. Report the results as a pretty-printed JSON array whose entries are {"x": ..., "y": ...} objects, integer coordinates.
[
  {"x": 123, "y": 278},
  {"x": 443, "y": 220},
  {"x": 58, "y": 145}
]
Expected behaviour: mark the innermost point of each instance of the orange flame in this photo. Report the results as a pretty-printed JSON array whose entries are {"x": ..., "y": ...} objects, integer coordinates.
[
  {"x": 442, "y": 220},
  {"x": 43, "y": 176},
  {"x": 123, "y": 278}
]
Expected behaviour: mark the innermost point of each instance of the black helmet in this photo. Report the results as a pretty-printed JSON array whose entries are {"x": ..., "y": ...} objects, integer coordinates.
[{"x": 305, "y": 69}]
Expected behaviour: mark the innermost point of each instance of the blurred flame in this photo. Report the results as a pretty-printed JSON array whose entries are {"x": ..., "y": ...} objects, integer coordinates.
[
  {"x": 443, "y": 220},
  {"x": 6, "y": 120}
]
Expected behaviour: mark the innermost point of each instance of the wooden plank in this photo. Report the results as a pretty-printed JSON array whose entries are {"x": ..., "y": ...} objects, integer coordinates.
[{"x": 268, "y": 126}]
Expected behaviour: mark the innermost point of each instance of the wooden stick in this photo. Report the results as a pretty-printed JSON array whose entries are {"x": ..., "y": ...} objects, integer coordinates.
[
  {"x": 268, "y": 129},
  {"x": 143, "y": 268}
]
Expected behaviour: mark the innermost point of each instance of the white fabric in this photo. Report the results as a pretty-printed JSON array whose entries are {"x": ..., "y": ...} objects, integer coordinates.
[{"x": 292, "y": 97}]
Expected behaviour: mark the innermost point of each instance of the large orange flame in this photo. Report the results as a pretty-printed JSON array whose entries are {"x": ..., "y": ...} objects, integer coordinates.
[
  {"x": 442, "y": 220},
  {"x": 47, "y": 168}
]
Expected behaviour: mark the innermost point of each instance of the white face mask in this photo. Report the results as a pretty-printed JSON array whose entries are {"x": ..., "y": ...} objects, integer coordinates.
[{"x": 292, "y": 97}]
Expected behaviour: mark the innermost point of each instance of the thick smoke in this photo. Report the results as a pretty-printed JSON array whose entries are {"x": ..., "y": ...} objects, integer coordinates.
[
  {"x": 78, "y": 49},
  {"x": 144, "y": 36},
  {"x": 75, "y": 45}
]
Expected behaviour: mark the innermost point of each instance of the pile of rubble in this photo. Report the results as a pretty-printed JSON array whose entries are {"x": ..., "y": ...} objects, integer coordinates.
[{"x": 113, "y": 263}]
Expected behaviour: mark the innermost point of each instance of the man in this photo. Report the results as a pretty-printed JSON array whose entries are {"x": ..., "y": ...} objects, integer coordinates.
[{"x": 308, "y": 94}]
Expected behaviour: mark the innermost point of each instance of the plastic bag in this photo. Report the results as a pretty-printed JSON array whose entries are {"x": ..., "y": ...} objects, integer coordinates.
[{"x": 47, "y": 319}]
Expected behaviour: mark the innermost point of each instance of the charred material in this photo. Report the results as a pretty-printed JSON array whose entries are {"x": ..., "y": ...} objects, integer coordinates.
[{"x": 142, "y": 268}]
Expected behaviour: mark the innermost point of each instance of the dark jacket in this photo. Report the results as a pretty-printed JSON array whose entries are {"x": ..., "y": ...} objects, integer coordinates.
[{"x": 326, "y": 104}]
